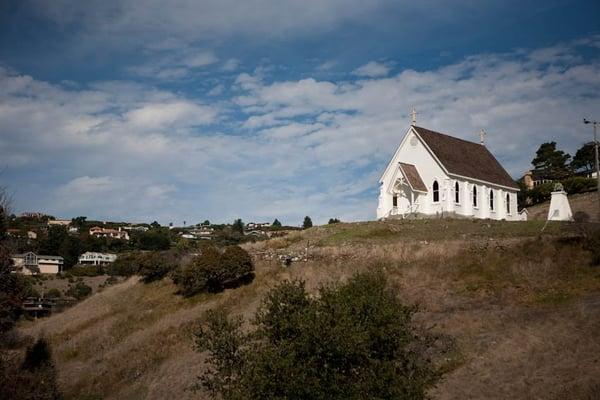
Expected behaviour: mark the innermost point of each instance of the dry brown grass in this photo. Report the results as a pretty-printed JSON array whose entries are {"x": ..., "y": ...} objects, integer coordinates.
[{"x": 524, "y": 312}]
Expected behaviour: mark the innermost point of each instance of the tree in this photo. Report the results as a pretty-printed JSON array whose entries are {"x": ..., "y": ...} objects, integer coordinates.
[
  {"x": 205, "y": 223},
  {"x": 213, "y": 271},
  {"x": 307, "y": 222},
  {"x": 333, "y": 221},
  {"x": 78, "y": 221},
  {"x": 276, "y": 223},
  {"x": 551, "y": 161},
  {"x": 238, "y": 226},
  {"x": 351, "y": 341},
  {"x": 154, "y": 239},
  {"x": 155, "y": 225},
  {"x": 584, "y": 159},
  {"x": 155, "y": 265}
]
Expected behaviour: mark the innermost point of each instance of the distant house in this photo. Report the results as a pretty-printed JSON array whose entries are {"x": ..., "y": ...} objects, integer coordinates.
[
  {"x": 13, "y": 232},
  {"x": 138, "y": 228},
  {"x": 99, "y": 232},
  {"x": 257, "y": 225},
  {"x": 59, "y": 222},
  {"x": 31, "y": 235},
  {"x": 34, "y": 215},
  {"x": 33, "y": 264},
  {"x": 203, "y": 233},
  {"x": 535, "y": 178},
  {"x": 93, "y": 258},
  {"x": 188, "y": 236}
]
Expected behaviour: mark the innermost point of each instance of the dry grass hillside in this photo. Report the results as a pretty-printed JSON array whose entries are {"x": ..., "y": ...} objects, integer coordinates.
[
  {"x": 520, "y": 312},
  {"x": 582, "y": 202}
]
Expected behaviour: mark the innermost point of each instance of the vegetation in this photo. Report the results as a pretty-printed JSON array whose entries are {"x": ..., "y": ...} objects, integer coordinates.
[
  {"x": 276, "y": 224},
  {"x": 350, "y": 342},
  {"x": 238, "y": 226},
  {"x": 550, "y": 160},
  {"x": 333, "y": 221},
  {"x": 79, "y": 291},
  {"x": 213, "y": 271},
  {"x": 307, "y": 223}
]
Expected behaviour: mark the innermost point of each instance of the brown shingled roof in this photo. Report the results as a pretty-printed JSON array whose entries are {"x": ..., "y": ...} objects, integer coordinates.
[
  {"x": 412, "y": 176},
  {"x": 468, "y": 159}
]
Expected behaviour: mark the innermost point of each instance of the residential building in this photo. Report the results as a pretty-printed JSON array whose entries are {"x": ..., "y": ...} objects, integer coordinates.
[
  {"x": 109, "y": 233},
  {"x": 434, "y": 174},
  {"x": 33, "y": 264},
  {"x": 93, "y": 258},
  {"x": 59, "y": 222}
]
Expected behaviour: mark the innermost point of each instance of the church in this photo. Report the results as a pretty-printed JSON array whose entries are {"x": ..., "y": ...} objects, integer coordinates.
[{"x": 434, "y": 174}]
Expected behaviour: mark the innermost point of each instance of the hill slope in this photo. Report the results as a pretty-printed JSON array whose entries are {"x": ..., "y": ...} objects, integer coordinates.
[
  {"x": 583, "y": 202},
  {"x": 521, "y": 311}
]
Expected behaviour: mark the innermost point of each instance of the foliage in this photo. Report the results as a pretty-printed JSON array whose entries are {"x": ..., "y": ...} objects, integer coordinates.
[
  {"x": 35, "y": 379},
  {"x": 333, "y": 221},
  {"x": 276, "y": 224},
  {"x": 87, "y": 270},
  {"x": 307, "y": 222},
  {"x": 154, "y": 266},
  {"x": 213, "y": 271},
  {"x": 352, "y": 341},
  {"x": 238, "y": 226},
  {"x": 154, "y": 239},
  {"x": 584, "y": 159},
  {"x": 126, "y": 264},
  {"x": 53, "y": 293},
  {"x": 552, "y": 162},
  {"x": 579, "y": 184},
  {"x": 79, "y": 291}
]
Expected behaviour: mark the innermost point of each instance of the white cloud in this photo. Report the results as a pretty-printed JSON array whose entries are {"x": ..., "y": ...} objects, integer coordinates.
[
  {"x": 372, "y": 70},
  {"x": 130, "y": 151},
  {"x": 201, "y": 59},
  {"x": 231, "y": 65}
]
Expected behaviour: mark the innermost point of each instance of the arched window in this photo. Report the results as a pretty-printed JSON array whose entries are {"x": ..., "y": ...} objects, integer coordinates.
[
  {"x": 507, "y": 203},
  {"x": 436, "y": 192},
  {"x": 456, "y": 193},
  {"x": 474, "y": 196},
  {"x": 492, "y": 200}
]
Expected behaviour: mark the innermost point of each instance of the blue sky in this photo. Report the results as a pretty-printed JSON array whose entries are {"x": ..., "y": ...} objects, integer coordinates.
[{"x": 133, "y": 110}]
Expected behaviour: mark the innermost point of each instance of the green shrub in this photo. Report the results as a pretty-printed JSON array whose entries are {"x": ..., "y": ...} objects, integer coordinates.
[
  {"x": 354, "y": 341},
  {"x": 579, "y": 184},
  {"x": 87, "y": 270},
  {"x": 79, "y": 291},
  {"x": 212, "y": 271},
  {"x": 53, "y": 293},
  {"x": 156, "y": 265},
  {"x": 126, "y": 264}
]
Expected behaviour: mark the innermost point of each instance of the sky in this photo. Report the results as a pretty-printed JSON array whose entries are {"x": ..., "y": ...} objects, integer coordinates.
[{"x": 259, "y": 109}]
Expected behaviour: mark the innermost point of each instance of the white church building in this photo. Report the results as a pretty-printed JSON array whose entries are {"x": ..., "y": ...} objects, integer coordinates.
[{"x": 434, "y": 174}]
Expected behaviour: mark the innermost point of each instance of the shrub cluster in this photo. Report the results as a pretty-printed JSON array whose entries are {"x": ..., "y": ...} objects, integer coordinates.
[
  {"x": 86, "y": 270},
  {"x": 213, "y": 271},
  {"x": 79, "y": 291},
  {"x": 354, "y": 341}
]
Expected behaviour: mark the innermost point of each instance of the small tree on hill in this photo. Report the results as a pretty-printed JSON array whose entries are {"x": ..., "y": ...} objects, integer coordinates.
[
  {"x": 307, "y": 222},
  {"x": 238, "y": 226},
  {"x": 276, "y": 223},
  {"x": 333, "y": 221},
  {"x": 354, "y": 341}
]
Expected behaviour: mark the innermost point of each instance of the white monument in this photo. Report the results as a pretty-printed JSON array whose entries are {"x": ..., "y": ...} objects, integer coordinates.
[{"x": 560, "y": 210}]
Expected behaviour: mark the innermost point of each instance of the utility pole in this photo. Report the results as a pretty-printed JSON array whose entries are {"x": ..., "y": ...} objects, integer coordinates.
[{"x": 595, "y": 123}]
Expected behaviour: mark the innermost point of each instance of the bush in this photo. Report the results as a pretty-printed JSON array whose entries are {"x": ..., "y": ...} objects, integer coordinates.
[
  {"x": 156, "y": 265},
  {"x": 579, "y": 184},
  {"x": 126, "y": 264},
  {"x": 154, "y": 239},
  {"x": 354, "y": 341},
  {"x": 87, "y": 270},
  {"x": 53, "y": 293},
  {"x": 79, "y": 291},
  {"x": 212, "y": 271}
]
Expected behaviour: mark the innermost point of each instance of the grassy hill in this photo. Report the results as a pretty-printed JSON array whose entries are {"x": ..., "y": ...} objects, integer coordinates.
[
  {"x": 519, "y": 312},
  {"x": 582, "y": 202}
]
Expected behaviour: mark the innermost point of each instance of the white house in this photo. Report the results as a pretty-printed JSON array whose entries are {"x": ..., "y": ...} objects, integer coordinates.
[
  {"x": 90, "y": 257},
  {"x": 33, "y": 264},
  {"x": 433, "y": 174}
]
